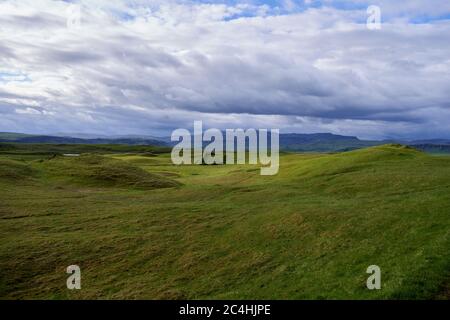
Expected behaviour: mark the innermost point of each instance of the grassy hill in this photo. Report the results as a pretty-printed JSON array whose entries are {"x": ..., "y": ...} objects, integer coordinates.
[
  {"x": 225, "y": 232},
  {"x": 99, "y": 171},
  {"x": 14, "y": 171}
]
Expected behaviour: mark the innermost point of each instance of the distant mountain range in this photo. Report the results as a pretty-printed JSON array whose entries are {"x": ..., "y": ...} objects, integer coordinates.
[
  {"x": 27, "y": 138},
  {"x": 327, "y": 142},
  {"x": 317, "y": 142}
]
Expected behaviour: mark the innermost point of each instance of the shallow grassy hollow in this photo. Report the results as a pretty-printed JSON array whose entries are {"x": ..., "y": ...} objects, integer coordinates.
[{"x": 225, "y": 232}]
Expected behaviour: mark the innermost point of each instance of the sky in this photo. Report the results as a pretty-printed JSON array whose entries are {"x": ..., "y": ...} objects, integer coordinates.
[{"x": 147, "y": 67}]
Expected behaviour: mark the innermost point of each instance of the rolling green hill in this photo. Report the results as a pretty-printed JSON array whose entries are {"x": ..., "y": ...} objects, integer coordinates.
[
  {"x": 225, "y": 232},
  {"x": 99, "y": 171},
  {"x": 14, "y": 171}
]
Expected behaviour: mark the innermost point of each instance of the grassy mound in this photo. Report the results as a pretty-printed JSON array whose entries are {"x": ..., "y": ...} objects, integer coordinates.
[
  {"x": 354, "y": 160},
  {"x": 99, "y": 171},
  {"x": 11, "y": 170}
]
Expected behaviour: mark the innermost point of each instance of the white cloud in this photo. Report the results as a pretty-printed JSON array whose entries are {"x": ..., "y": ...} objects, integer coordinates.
[
  {"x": 27, "y": 111},
  {"x": 140, "y": 66}
]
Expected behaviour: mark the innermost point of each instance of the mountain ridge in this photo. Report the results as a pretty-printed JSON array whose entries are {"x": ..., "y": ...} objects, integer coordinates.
[{"x": 295, "y": 142}]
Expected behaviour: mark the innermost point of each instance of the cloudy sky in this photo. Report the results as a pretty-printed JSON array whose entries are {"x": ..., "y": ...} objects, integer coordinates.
[{"x": 149, "y": 66}]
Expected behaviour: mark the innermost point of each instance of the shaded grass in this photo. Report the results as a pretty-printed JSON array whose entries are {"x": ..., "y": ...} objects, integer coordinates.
[
  {"x": 99, "y": 171},
  {"x": 14, "y": 171}
]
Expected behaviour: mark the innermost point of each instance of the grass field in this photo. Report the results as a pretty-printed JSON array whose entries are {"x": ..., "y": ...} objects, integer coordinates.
[{"x": 140, "y": 227}]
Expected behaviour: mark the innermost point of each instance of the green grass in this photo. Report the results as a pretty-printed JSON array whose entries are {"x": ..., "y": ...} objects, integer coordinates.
[
  {"x": 225, "y": 232},
  {"x": 14, "y": 171},
  {"x": 26, "y": 151},
  {"x": 99, "y": 171}
]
